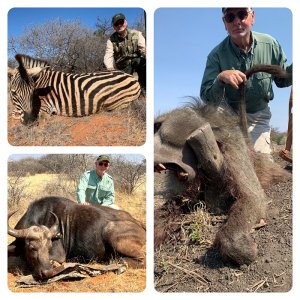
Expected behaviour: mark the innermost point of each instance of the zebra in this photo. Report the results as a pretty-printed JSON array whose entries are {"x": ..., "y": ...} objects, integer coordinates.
[{"x": 33, "y": 86}]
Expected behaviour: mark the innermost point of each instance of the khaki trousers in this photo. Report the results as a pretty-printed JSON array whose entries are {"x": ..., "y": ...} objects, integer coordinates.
[{"x": 260, "y": 130}]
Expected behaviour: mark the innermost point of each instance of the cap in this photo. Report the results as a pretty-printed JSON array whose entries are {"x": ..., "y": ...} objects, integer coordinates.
[
  {"x": 116, "y": 18},
  {"x": 225, "y": 8},
  {"x": 102, "y": 158}
]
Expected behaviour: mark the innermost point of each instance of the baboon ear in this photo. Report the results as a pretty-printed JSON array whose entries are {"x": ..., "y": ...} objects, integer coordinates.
[{"x": 204, "y": 144}]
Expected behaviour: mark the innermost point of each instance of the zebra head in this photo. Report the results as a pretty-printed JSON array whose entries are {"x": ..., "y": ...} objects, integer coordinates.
[{"x": 22, "y": 91}]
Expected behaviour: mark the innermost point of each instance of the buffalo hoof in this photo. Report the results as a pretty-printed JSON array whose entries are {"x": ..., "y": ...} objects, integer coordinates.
[{"x": 241, "y": 250}]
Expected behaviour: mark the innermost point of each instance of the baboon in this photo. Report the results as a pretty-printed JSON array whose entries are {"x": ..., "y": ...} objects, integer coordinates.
[{"x": 202, "y": 142}]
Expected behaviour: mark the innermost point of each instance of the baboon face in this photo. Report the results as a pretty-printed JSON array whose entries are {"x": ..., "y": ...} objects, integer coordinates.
[{"x": 171, "y": 150}]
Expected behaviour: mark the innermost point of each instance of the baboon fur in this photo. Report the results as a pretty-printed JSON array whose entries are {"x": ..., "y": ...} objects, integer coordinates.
[{"x": 242, "y": 175}]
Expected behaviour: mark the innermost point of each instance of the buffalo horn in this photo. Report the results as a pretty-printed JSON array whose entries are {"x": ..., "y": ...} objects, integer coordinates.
[{"x": 17, "y": 233}]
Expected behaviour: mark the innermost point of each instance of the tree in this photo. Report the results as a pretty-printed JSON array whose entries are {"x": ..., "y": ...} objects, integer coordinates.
[
  {"x": 128, "y": 175},
  {"x": 277, "y": 136},
  {"x": 104, "y": 28},
  {"x": 24, "y": 167},
  {"x": 16, "y": 189},
  {"x": 69, "y": 46},
  {"x": 140, "y": 23}
]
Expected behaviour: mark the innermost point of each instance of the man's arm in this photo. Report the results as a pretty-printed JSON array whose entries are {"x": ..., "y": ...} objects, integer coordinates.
[
  {"x": 142, "y": 44},
  {"x": 81, "y": 188},
  {"x": 110, "y": 196},
  {"x": 280, "y": 59},
  {"x": 214, "y": 81},
  {"x": 212, "y": 88},
  {"x": 109, "y": 60}
]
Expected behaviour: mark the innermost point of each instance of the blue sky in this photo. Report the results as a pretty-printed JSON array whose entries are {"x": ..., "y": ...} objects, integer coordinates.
[
  {"x": 183, "y": 39},
  {"x": 20, "y": 18}
]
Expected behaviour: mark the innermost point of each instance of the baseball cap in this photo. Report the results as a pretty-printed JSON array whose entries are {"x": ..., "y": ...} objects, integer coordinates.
[
  {"x": 117, "y": 17},
  {"x": 102, "y": 158},
  {"x": 225, "y": 8}
]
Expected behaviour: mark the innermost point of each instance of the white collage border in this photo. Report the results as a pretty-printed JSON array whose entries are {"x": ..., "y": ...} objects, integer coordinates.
[{"x": 146, "y": 149}]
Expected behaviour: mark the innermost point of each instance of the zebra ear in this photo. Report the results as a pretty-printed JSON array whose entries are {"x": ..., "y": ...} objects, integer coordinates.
[{"x": 34, "y": 72}]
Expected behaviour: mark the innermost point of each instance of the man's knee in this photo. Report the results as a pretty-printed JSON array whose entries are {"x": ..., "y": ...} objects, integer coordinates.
[
  {"x": 139, "y": 63},
  {"x": 128, "y": 69},
  {"x": 262, "y": 142}
]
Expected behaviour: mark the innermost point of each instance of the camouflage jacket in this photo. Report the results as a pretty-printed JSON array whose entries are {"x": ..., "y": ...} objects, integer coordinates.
[{"x": 119, "y": 50}]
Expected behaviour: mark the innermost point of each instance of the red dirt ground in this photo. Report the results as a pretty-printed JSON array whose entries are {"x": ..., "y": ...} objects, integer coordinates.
[{"x": 102, "y": 129}]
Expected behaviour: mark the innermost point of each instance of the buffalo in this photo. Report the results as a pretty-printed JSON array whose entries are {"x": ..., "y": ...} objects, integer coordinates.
[
  {"x": 205, "y": 147},
  {"x": 58, "y": 229}
]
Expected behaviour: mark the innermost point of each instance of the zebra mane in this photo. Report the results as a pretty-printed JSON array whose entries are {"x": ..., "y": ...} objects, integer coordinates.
[{"x": 29, "y": 62}]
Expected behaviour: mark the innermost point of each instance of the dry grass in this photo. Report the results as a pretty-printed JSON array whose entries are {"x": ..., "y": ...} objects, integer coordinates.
[
  {"x": 135, "y": 204},
  {"x": 129, "y": 281},
  {"x": 126, "y": 127}
]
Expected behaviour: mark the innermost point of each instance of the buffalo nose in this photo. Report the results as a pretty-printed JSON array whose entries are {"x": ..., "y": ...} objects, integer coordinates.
[
  {"x": 47, "y": 273},
  {"x": 43, "y": 274}
]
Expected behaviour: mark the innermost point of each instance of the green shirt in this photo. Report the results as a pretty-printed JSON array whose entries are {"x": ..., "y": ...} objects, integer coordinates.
[
  {"x": 93, "y": 189},
  {"x": 258, "y": 90}
]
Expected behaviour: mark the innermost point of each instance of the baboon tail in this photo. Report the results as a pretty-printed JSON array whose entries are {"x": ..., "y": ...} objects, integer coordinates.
[{"x": 274, "y": 70}]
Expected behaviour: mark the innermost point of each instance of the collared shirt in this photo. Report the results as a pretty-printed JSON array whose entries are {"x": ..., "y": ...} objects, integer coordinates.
[
  {"x": 109, "y": 57},
  {"x": 258, "y": 90},
  {"x": 93, "y": 189}
]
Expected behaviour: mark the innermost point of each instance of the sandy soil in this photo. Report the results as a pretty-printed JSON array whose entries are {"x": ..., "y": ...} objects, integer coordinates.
[{"x": 187, "y": 264}]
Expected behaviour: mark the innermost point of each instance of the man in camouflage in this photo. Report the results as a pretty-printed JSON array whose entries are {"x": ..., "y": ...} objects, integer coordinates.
[{"x": 126, "y": 50}]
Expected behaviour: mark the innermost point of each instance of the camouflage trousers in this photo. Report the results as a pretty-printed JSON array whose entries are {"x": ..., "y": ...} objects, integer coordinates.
[{"x": 138, "y": 65}]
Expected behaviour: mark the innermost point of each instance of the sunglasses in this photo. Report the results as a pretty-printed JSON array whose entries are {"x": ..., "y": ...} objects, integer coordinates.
[
  {"x": 242, "y": 15},
  {"x": 105, "y": 164},
  {"x": 120, "y": 22}
]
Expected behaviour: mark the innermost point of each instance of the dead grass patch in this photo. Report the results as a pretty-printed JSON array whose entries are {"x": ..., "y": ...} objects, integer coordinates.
[{"x": 126, "y": 127}]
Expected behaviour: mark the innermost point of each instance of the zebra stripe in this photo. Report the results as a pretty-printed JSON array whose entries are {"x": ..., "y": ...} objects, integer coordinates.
[
  {"x": 70, "y": 94},
  {"x": 28, "y": 62},
  {"x": 89, "y": 93}
]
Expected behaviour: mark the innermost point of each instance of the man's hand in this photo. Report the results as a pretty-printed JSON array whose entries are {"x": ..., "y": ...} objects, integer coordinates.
[{"x": 232, "y": 77}]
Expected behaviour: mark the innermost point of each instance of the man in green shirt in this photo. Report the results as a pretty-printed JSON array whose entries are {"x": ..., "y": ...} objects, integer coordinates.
[
  {"x": 96, "y": 186},
  {"x": 225, "y": 68}
]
